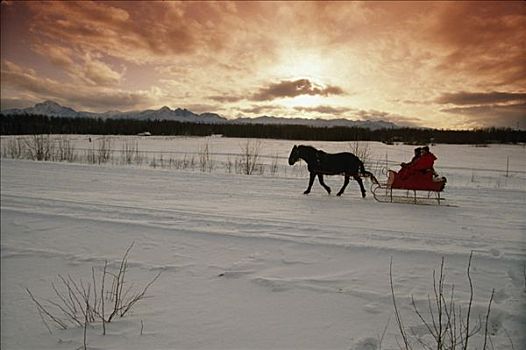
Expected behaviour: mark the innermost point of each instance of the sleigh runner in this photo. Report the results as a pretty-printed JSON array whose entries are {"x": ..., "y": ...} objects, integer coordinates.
[{"x": 422, "y": 188}]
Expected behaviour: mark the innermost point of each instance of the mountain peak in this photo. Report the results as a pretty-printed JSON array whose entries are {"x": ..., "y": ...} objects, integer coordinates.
[
  {"x": 48, "y": 103},
  {"x": 51, "y": 108},
  {"x": 165, "y": 109}
]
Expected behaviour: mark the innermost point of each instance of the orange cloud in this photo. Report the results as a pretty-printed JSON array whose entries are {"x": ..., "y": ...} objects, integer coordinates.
[
  {"x": 98, "y": 73},
  {"x": 137, "y": 32},
  {"x": 483, "y": 39},
  {"x": 393, "y": 56},
  {"x": 78, "y": 96},
  {"x": 58, "y": 55}
]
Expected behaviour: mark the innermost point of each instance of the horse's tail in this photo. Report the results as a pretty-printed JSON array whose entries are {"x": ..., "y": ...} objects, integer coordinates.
[{"x": 368, "y": 174}]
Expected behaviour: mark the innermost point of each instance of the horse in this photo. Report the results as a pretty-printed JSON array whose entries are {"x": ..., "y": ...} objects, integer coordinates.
[{"x": 320, "y": 163}]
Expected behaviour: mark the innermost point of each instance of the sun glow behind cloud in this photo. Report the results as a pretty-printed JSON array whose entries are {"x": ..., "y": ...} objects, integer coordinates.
[
  {"x": 298, "y": 64},
  {"x": 303, "y": 101}
]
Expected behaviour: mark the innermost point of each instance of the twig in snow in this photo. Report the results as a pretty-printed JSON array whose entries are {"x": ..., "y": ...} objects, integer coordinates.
[
  {"x": 487, "y": 319},
  {"x": 397, "y": 313},
  {"x": 81, "y": 303}
]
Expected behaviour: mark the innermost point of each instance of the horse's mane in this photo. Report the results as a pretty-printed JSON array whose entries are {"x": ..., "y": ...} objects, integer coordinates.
[{"x": 309, "y": 148}]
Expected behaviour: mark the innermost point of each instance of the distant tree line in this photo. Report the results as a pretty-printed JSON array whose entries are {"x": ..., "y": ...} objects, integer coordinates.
[{"x": 39, "y": 124}]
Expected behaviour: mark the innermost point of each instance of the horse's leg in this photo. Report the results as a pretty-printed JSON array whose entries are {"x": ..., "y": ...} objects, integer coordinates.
[
  {"x": 345, "y": 183},
  {"x": 360, "y": 182},
  {"x": 311, "y": 181},
  {"x": 327, "y": 188}
]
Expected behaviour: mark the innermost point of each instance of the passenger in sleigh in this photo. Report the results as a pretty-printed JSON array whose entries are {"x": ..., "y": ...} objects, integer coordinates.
[
  {"x": 418, "y": 153},
  {"x": 418, "y": 174}
]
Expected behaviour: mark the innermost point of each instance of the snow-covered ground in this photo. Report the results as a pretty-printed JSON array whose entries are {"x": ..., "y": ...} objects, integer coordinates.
[{"x": 249, "y": 262}]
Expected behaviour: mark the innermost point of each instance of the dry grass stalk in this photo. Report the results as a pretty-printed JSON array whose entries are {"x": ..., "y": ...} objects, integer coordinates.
[
  {"x": 205, "y": 159},
  {"x": 79, "y": 302},
  {"x": 447, "y": 323}
]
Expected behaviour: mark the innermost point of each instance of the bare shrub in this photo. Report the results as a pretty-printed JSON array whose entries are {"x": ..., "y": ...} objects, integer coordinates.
[
  {"x": 161, "y": 163},
  {"x": 14, "y": 149},
  {"x": 100, "y": 152},
  {"x": 80, "y": 301},
  {"x": 248, "y": 162},
  {"x": 184, "y": 163},
  {"x": 205, "y": 160},
  {"x": 448, "y": 324},
  {"x": 130, "y": 154},
  {"x": 153, "y": 162},
  {"x": 190, "y": 163},
  {"x": 39, "y": 147},
  {"x": 181, "y": 163},
  {"x": 229, "y": 165},
  {"x": 361, "y": 150},
  {"x": 104, "y": 151},
  {"x": 65, "y": 150},
  {"x": 91, "y": 158},
  {"x": 274, "y": 166}
]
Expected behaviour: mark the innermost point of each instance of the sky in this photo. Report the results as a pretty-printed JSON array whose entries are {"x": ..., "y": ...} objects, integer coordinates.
[{"x": 451, "y": 65}]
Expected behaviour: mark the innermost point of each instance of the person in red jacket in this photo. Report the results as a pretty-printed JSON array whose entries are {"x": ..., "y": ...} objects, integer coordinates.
[
  {"x": 414, "y": 159},
  {"x": 418, "y": 175},
  {"x": 406, "y": 166},
  {"x": 422, "y": 165}
]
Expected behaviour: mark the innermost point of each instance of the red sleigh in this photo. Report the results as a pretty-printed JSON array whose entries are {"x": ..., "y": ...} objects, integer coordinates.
[{"x": 421, "y": 187}]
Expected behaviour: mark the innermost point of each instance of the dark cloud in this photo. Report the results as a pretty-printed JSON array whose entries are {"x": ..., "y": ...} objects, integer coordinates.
[
  {"x": 410, "y": 102},
  {"x": 480, "y": 98},
  {"x": 375, "y": 115},
  {"x": 512, "y": 115},
  {"x": 226, "y": 98},
  {"x": 201, "y": 108},
  {"x": 259, "y": 109},
  {"x": 324, "y": 109},
  {"x": 499, "y": 109},
  {"x": 294, "y": 88},
  {"x": 283, "y": 89}
]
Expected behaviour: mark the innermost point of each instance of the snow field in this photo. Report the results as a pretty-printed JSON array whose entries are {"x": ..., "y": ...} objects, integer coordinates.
[{"x": 249, "y": 262}]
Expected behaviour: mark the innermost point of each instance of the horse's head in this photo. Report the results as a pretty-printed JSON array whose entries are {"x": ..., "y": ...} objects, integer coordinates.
[{"x": 294, "y": 155}]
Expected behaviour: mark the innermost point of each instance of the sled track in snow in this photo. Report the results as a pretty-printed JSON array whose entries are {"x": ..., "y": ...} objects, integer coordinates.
[{"x": 179, "y": 221}]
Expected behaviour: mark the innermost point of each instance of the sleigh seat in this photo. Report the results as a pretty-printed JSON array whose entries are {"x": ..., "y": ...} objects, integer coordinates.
[{"x": 419, "y": 181}]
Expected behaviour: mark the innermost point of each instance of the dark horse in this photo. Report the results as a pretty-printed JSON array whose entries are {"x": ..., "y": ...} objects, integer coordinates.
[{"x": 321, "y": 163}]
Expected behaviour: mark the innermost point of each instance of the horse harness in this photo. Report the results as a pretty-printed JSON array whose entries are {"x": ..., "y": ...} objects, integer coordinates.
[{"x": 318, "y": 159}]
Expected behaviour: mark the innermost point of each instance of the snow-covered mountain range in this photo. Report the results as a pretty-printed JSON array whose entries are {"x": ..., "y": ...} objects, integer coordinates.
[
  {"x": 369, "y": 124},
  {"x": 53, "y": 109}
]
